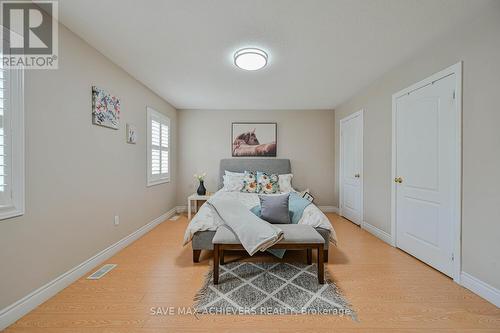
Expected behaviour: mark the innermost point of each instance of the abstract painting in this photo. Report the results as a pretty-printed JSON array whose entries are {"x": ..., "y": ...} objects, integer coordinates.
[
  {"x": 253, "y": 139},
  {"x": 105, "y": 108}
]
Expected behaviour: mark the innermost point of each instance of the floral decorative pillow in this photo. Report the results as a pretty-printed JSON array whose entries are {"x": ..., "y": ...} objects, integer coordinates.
[
  {"x": 250, "y": 183},
  {"x": 268, "y": 184}
]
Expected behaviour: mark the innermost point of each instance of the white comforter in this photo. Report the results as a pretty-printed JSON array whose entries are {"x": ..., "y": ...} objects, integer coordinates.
[{"x": 207, "y": 219}]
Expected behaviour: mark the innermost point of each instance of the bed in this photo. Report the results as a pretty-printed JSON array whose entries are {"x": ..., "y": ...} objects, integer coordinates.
[{"x": 203, "y": 225}]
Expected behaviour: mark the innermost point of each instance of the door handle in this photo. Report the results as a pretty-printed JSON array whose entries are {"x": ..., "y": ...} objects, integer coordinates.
[
  {"x": 398, "y": 180},
  {"x": 356, "y": 175}
]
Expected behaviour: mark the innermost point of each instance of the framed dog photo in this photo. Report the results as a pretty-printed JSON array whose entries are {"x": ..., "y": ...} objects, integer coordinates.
[{"x": 254, "y": 139}]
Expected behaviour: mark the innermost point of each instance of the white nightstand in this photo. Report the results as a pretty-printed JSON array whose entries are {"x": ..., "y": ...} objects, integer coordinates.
[{"x": 196, "y": 197}]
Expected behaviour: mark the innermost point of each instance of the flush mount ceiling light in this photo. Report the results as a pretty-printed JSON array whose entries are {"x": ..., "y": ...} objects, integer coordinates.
[{"x": 250, "y": 59}]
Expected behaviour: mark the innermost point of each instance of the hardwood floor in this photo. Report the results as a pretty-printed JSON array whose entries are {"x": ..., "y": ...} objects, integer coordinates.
[{"x": 390, "y": 290}]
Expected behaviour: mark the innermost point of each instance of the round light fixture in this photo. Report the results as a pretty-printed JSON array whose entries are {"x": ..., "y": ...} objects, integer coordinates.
[{"x": 250, "y": 59}]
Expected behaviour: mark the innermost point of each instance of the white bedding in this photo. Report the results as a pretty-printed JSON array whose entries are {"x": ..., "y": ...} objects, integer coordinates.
[{"x": 207, "y": 219}]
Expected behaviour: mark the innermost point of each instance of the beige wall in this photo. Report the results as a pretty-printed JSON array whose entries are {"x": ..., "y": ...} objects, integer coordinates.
[
  {"x": 305, "y": 137},
  {"x": 478, "y": 45},
  {"x": 78, "y": 176}
]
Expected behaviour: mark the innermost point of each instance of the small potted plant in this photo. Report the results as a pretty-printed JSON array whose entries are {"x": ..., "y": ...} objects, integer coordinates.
[{"x": 201, "y": 178}]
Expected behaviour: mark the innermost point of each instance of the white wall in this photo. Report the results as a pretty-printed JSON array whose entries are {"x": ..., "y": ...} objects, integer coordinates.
[
  {"x": 477, "y": 43},
  {"x": 306, "y": 137},
  {"x": 78, "y": 175}
]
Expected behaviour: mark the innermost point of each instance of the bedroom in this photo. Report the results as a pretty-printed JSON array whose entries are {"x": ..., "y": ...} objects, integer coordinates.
[{"x": 102, "y": 137}]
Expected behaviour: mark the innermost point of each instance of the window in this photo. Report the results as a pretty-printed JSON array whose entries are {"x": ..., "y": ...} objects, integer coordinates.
[
  {"x": 11, "y": 142},
  {"x": 158, "y": 148}
]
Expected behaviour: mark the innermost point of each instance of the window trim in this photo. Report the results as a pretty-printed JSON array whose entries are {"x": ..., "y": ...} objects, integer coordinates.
[
  {"x": 15, "y": 108},
  {"x": 151, "y": 181}
]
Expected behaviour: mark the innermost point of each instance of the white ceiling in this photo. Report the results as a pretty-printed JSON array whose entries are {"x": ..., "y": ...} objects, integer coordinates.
[{"x": 320, "y": 52}]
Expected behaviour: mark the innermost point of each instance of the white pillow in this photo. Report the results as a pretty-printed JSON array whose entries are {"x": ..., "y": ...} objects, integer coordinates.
[
  {"x": 285, "y": 183},
  {"x": 232, "y": 183},
  {"x": 230, "y": 173}
]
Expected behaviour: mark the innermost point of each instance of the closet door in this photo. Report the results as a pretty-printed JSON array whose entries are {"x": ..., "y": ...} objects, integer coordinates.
[
  {"x": 426, "y": 134},
  {"x": 351, "y": 167}
]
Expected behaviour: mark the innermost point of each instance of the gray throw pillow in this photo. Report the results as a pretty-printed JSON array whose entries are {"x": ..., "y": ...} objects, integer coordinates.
[{"x": 274, "y": 208}]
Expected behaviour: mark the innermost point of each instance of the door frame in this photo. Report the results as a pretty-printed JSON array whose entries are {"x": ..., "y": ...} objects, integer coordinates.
[
  {"x": 457, "y": 195},
  {"x": 359, "y": 113}
]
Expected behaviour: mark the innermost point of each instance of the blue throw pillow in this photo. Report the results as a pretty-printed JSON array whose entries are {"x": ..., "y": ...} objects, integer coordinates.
[
  {"x": 256, "y": 211},
  {"x": 274, "y": 208}
]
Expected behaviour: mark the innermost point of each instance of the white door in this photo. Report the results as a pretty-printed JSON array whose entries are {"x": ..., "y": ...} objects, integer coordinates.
[
  {"x": 351, "y": 167},
  {"x": 426, "y": 157}
]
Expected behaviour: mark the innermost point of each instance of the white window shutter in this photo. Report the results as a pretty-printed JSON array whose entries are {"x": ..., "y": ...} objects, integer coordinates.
[
  {"x": 158, "y": 147},
  {"x": 11, "y": 142},
  {"x": 3, "y": 121}
]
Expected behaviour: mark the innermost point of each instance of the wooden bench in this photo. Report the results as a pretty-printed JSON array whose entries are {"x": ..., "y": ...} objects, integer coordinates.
[{"x": 295, "y": 237}]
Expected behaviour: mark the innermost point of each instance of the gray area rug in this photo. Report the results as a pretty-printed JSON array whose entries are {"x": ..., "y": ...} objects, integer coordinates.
[{"x": 247, "y": 288}]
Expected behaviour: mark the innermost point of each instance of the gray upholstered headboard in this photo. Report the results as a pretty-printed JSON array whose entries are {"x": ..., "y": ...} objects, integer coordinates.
[{"x": 269, "y": 165}]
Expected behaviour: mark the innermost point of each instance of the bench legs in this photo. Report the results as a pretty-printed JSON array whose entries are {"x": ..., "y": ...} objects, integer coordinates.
[
  {"x": 322, "y": 258},
  {"x": 216, "y": 263},
  {"x": 221, "y": 256},
  {"x": 321, "y": 265},
  {"x": 196, "y": 255},
  {"x": 309, "y": 256},
  {"x": 219, "y": 260}
]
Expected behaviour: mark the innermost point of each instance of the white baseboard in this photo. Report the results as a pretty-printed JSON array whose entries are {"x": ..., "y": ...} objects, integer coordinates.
[
  {"x": 181, "y": 209},
  {"x": 20, "y": 308},
  {"x": 377, "y": 232},
  {"x": 329, "y": 209},
  {"x": 480, "y": 288}
]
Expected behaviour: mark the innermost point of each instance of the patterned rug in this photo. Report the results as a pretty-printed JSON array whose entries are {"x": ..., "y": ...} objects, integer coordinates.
[{"x": 247, "y": 288}]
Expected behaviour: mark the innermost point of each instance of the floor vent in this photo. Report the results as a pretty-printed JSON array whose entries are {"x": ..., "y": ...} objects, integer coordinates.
[
  {"x": 174, "y": 218},
  {"x": 101, "y": 272}
]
